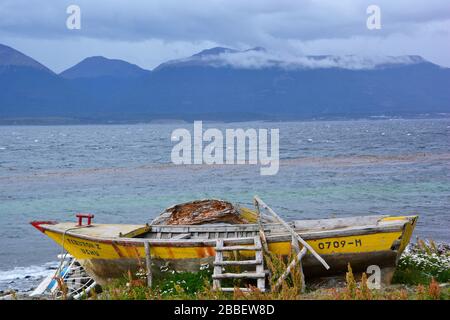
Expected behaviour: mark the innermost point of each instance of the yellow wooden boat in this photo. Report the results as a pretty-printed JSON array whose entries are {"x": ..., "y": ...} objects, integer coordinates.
[{"x": 184, "y": 243}]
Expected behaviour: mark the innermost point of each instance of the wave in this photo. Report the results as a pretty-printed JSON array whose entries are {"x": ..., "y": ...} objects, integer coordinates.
[
  {"x": 335, "y": 161},
  {"x": 30, "y": 272},
  {"x": 368, "y": 159}
]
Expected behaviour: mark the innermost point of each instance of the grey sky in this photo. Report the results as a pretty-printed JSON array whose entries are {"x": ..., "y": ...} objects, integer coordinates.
[{"x": 149, "y": 32}]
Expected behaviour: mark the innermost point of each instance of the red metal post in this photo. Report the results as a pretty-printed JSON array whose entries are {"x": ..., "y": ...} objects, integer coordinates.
[{"x": 80, "y": 217}]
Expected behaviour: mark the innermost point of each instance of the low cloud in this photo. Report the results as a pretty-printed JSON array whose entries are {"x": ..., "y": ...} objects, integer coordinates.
[{"x": 258, "y": 59}]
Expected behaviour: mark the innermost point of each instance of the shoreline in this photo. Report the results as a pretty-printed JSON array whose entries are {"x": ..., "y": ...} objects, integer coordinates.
[{"x": 63, "y": 121}]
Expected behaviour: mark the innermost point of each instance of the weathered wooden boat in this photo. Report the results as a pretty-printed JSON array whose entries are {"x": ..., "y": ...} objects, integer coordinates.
[{"x": 185, "y": 238}]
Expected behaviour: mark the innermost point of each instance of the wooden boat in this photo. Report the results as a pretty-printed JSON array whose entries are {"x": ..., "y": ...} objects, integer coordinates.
[{"x": 109, "y": 251}]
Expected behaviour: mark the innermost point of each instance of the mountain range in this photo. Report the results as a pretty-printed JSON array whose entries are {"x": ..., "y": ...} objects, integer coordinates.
[{"x": 221, "y": 84}]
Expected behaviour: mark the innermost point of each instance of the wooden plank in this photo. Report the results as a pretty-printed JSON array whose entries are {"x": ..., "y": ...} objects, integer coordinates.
[
  {"x": 271, "y": 238},
  {"x": 181, "y": 236},
  {"x": 238, "y": 248},
  {"x": 303, "y": 285},
  {"x": 263, "y": 241},
  {"x": 292, "y": 231},
  {"x": 262, "y": 234},
  {"x": 218, "y": 268},
  {"x": 265, "y": 246},
  {"x": 238, "y": 262},
  {"x": 334, "y": 223},
  {"x": 350, "y": 231},
  {"x": 261, "y": 282},
  {"x": 212, "y": 228},
  {"x": 278, "y": 231},
  {"x": 251, "y": 275},
  {"x": 296, "y": 248},
  {"x": 148, "y": 262},
  {"x": 289, "y": 269},
  {"x": 304, "y": 225},
  {"x": 241, "y": 289}
]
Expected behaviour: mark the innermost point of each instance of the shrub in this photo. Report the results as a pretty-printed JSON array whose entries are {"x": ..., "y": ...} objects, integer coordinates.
[{"x": 422, "y": 262}]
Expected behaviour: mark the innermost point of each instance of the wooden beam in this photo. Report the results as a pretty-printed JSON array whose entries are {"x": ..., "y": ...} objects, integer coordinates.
[
  {"x": 252, "y": 275},
  {"x": 302, "y": 290},
  {"x": 238, "y": 262},
  {"x": 218, "y": 260},
  {"x": 237, "y": 248},
  {"x": 289, "y": 269},
  {"x": 240, "y": 289},
  {"x": 297, "y": 250},
  {"x": 262, "y": 234},
  {"x": 295, "y": 246},
  {"x": 261, "y": 282},
  {"x": 292, "y": 231},
  {"x": 181, "y": 236},
  {"x": 148, "y": 261},
  {"x": 263, "y": 240}
]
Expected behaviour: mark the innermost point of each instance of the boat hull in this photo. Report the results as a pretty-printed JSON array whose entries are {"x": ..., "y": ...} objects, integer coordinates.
[
  {"x": 108, "y": 258},
  {"x": 105, "y": 270}
]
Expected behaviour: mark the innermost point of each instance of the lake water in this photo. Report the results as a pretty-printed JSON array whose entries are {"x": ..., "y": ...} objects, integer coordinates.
[{"x": 123, "y": 174}]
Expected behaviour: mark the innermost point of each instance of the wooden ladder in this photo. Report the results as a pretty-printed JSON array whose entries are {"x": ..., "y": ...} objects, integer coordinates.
[
  {"x": 296, "y": 240},
  {"x": 258, "y": 262}
]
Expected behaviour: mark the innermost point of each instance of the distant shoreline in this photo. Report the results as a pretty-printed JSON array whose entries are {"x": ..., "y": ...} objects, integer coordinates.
[{"x": 183, "y": 119}]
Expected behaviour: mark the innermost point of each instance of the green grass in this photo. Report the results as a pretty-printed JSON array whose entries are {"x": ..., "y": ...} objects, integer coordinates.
[{"x": 172, "y": 285}]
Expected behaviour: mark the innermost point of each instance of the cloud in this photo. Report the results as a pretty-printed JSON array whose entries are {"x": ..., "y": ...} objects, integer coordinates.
[
  {"x": 223, "y": 21},
  {"x": 258, "y": 59},
  {"x": 297, "y": 26}
]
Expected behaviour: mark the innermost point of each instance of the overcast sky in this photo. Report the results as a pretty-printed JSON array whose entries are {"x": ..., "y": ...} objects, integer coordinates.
[{"x": 148, "y": 32}]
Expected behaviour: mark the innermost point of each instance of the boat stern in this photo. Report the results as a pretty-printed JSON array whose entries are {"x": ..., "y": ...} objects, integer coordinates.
[{"x": 407, "y": 233}]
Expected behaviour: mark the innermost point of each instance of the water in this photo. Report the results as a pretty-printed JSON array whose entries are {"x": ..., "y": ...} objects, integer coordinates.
[{"x": 123, "y": 174}]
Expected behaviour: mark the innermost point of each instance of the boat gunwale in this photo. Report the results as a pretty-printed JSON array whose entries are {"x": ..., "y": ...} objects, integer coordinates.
[{"x": 235, "y": 240}]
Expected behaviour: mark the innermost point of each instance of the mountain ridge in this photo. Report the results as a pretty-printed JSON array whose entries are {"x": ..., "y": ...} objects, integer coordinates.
[
  {"x": 258, "y": 57},
  {"x": 10, "y": 57},
  {"x": 215, "y": 84},
  {"x": 99, "y": 66}
]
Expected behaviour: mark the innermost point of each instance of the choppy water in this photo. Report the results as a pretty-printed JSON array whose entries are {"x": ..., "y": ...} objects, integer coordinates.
[{"x": 123, "y": 174}]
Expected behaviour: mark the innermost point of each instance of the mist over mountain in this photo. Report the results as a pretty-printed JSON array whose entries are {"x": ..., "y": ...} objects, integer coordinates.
[
  {"x": 259, "y": 58},
  {"x": 223, "y": 84}
]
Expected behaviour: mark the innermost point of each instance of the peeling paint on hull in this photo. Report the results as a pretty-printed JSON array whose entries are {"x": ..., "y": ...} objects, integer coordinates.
[{"x": 112, "y": 256}]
